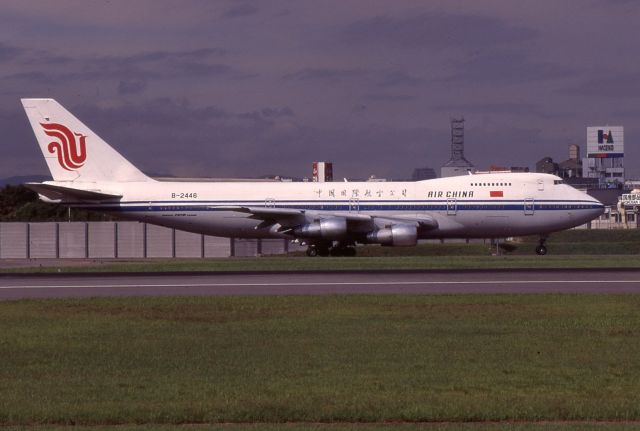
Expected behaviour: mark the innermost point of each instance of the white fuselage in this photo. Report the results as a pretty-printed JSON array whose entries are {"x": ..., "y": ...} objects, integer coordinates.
[{"x": 481, "y": 205}]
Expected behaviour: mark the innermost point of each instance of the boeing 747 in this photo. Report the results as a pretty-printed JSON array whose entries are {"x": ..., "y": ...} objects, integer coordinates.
[{"x": 330, "y": 218}]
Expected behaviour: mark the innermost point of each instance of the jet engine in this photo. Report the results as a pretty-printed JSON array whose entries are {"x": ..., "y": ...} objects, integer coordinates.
[
  {"x": 396, "y": 235},
  {"x": 326, "y": 228}
]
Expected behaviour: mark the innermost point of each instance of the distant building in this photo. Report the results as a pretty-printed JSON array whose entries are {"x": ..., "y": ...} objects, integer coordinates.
[
  {"x": 572, "y": 167},
  {"x": 420, "y": 174},
  {"x": 605, "y": 154},
  {"x": 582, "y": 183},
  {"x": 519, "y": 169},
  {"x": 574, "y": 151},
  {"x": 494, "y": 168},
  {"x": 457, "y": 165},
  {"x": 546, "y": 165},
  {"x": 322, "y": 172}
]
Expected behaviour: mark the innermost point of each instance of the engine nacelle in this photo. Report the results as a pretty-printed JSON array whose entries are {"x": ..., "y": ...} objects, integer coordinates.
[
  {"x": 327, "y": 228},
  {"x": 397, "y": 235}
]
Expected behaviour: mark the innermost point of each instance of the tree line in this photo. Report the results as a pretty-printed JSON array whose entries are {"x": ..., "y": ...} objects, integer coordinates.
[{"x": 19, "y": 204}]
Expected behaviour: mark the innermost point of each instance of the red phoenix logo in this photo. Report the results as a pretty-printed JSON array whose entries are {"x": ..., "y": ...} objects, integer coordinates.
[{"x": 71, "y": 154}]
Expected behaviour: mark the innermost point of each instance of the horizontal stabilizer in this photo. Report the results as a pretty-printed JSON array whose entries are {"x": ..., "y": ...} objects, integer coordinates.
[{"x": 55, "y": 193}]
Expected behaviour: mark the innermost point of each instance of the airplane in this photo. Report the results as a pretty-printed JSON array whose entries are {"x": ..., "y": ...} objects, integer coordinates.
[{"x": 330, "y": 218}]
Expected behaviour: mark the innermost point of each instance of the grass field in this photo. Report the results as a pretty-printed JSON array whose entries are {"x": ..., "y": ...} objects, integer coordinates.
[{"x": 332, "y": 359}]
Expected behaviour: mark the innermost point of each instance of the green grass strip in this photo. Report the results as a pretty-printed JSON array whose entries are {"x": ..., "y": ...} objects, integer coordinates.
[
  {"x": 461, "y": 358},
  {"x": 289, "y": 263},
  {"x": 542, "y": 426}
]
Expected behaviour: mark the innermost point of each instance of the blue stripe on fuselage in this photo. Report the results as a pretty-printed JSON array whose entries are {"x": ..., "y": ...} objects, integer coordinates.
[{"x": 430, "y": 205}]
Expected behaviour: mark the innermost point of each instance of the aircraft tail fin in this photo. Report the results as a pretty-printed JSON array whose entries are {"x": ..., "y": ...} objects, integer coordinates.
[{"x": 73, "y": 152}]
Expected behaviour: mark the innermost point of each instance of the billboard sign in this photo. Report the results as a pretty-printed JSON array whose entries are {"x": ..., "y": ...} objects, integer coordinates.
[
  {"x": 631, "y": 199},
  {"x": 605, "y": 142}
]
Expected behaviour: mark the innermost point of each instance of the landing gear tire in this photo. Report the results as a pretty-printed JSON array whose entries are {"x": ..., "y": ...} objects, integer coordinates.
[
  {"x": 541, "y": 250},
  {"x": 312, "y": 251}
]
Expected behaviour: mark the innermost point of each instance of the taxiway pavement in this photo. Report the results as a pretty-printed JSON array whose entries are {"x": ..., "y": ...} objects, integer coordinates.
[{"x": 320, "y": 283}]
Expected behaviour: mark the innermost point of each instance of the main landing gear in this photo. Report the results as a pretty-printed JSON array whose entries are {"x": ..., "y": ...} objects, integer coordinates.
[
  {"x": 348, "y": 251},
  {"x": 318, "y": 250},
  {"x": 339, "y": 249},
  {"x": 541, "y": 249}
]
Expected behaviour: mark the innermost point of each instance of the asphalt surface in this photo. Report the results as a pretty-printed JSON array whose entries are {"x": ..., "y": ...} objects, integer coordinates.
[{"x": 425, "y": 282}]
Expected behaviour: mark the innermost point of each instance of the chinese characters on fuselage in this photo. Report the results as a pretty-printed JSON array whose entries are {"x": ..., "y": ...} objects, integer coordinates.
[{"x": 388, "y": 193}]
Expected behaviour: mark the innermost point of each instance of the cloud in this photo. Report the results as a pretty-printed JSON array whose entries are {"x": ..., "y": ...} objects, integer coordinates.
[
  {"x": 325, "y": 74},
  {"x": 131, "y": 87},
  {"x": 21, "y": 154},
  {"x": 142, "y": 67},
  {"x": 8, "y": 52},
  {"x": 240, "y": 11},
  {"x": 168, "y": 113},
  {"x": 268, "y": 113},
  {"x": 506, "y": 67},
  {"x": 435, "y": 29},
  {"x": 170, "y": 56},
  {"x": 502, "y": 108},
  {"x": 385, "y": 97},
  {"x": 214, "y": 140},
  {"x": 626, "y": 85},
  {"x": 400, "y": 78}
]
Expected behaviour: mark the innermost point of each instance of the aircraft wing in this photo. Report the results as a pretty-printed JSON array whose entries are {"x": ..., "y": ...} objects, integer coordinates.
[
  {"x": 55, "y": 193},
  {"x": 424, "y": 221},
  {"x": 356, "y": 222},
  {"x": 289, "y": 217}
]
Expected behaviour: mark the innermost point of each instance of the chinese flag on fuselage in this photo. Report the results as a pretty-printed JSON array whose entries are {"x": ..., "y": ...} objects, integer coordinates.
[{"x": 496, "y": 193}]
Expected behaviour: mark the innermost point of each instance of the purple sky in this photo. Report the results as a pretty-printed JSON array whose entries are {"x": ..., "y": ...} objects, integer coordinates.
[{"x": 247, "y": 88}]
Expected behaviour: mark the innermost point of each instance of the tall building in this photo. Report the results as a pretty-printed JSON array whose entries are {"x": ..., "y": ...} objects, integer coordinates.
[
  {"x": 457, "y": 165},
  {"x": 322, "y": 172},
  {"x": 605, "y": 154},
  {"x": 574, "y": 151}
]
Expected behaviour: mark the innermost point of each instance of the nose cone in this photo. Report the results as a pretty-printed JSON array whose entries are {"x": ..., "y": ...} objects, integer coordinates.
[
  {"x": 594, "y": 209},
  {"x": 598, "y": 208}
]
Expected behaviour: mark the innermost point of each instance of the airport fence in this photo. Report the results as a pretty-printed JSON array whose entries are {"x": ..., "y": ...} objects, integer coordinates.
[{"x": 113, "y": 240}]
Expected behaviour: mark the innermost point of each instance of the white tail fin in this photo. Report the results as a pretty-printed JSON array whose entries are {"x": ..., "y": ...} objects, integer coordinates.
[{"x": 72, "y": 151}]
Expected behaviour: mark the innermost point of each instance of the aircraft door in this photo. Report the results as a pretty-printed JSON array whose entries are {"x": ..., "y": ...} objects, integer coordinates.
[
  {"x": 529, "y": 206},
  {"x": 452, "y": 206},
  {"x": 540, "y": 185},
  {"x": 354, "y": 205}
]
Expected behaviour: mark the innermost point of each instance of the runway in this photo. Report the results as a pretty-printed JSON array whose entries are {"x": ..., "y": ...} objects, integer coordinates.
[{"x": 320, "y": 283}]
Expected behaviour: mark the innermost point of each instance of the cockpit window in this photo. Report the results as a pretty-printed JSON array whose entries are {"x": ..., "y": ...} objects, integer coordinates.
[{"x": 558, "y": 182}]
